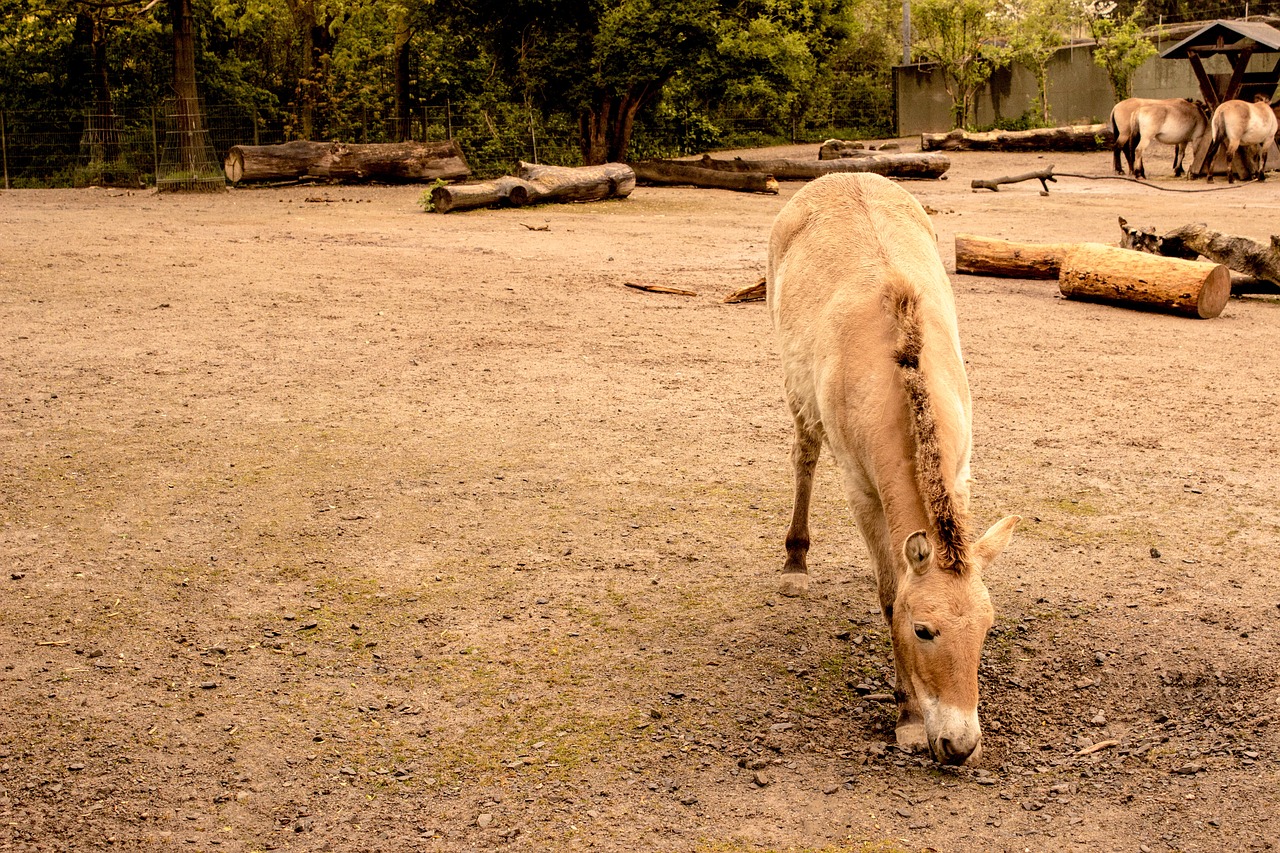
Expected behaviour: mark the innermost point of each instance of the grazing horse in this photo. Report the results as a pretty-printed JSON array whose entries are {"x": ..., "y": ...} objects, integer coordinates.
[
  {"x": 1122, "y": 129},
  {"x": 1247, "y": 129},
  {"x": 866, "y": 325},
  {"x": 1175, "y": 122}
]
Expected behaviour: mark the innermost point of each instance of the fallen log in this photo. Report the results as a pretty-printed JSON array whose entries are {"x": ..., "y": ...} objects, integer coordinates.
[
  {"x": 676, "y": 173},
  {"x": 288, "y": 161},
  {"x": 751, "y": 293},
  {"x": 396, "y": 162},
  {"x": 990, "y": 256},
  {"x": 537, "y": 184},
  {"x": 1081, "y": 137},
  {"x": 1043, "y": 176},
  {"x": 1098, "y": 273},
  {"x": 905, "y": 166},
  {"x": 1191, "y": 241},
  {"x": 835, "y": 149}
]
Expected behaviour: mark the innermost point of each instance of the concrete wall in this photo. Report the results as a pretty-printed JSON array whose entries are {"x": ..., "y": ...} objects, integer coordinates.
[{"x": 1078, "y": 89}]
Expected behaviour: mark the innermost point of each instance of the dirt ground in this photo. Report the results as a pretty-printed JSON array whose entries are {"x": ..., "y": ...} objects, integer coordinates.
[{"x": 331, "y": 525}]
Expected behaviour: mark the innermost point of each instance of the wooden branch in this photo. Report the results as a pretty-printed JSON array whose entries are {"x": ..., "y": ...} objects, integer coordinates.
[
  {"x": 989, "y": 256},
  {"x": 659, "y": 288},
  {"x": 683, "y": 173},
  {"x": 393, "y": 162},
  {"x": 751, "y": 293},
  {"x": 993, "y": 184},
  {"x": 536, "y": 184},
  {"x": 904, "y": 166},
  {"x": 1099, "y": 273},
  {"x": 1189, "y": 241},
  {"x": 1083, "y": 137}
]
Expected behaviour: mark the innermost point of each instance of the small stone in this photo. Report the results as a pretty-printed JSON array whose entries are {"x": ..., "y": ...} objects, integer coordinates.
[
  {"x": 75, "y": 767},
  {"x": 484, "y": 820},
  {"x": 1155, "y": 553},
  {"x": 1189, "y": 769},
  {"x": 1099, "y": 719},
  {"x": 905, "y": 813},
  {"x": 760, "y": 778},
  {"x": 17, "y": 576},
  {"x": 688, "y": 800},
  {"x": 208, "y": 685},
  {"x": 830, "y": 789}
]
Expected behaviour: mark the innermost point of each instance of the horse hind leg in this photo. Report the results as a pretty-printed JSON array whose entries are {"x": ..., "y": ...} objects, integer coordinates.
[
  {"x": 1179, "y": 151},
  {"x": 804, "y": 458}
]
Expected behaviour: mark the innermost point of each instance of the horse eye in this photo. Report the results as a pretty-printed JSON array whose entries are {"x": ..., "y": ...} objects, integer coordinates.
[{"x": 924, "y": 633}]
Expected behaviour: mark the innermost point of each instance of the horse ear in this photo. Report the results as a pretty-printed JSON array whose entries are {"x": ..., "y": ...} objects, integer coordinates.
[
  {"x": 918, "y": 552},
  {"x": 994, "y": 541}
]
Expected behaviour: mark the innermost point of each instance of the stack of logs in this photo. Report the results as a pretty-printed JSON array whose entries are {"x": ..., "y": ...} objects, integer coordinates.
[{"x": 1100, "y": 273}]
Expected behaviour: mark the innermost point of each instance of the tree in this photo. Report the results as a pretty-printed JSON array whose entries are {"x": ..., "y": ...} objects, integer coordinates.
[
  {"x": 1121, "y": 48},
  {"x": 959, "y": 36},
  {"x": 1036, "y": 30},
  {"x": 602, "y": 60}
]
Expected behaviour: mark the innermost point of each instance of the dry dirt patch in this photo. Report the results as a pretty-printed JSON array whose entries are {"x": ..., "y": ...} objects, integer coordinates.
[{"x": 342, "y": 526}]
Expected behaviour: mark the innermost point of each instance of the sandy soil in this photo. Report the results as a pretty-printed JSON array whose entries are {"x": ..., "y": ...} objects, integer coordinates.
[{"x": 328, "y": 524}]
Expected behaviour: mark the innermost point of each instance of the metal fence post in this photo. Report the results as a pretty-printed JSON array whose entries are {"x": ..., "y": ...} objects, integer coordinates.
[
  {"x": 155, "y": 146},
  {"x": 4, "y": 150}
]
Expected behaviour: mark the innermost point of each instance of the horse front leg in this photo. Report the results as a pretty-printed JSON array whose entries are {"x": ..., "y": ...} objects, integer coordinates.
[
  {"x": 804, "y": 458},
  {"x": 1178, "y": 152}
]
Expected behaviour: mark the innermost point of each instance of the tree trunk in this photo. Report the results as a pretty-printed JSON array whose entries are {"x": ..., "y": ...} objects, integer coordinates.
[
  {"x": 677, "y": 173},
  {"x": 534, "y": 184},
  {"x": 1099, "y": 273},
  {"x": 913, "y": 166},
  {"x": 836, "y": 149},
  {"x": 195, "y": 168},
  {"x": 1240, "y": 254},
  {"x": 394, "y": 162},
  {"x": 1084, "y": 137},
  {"x": 988, "y": 256},
  {"x": 400, "y": 47}
]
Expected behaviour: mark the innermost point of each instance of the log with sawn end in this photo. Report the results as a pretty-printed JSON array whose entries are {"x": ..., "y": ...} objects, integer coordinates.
[
  {"x": 1081, "y": 137},
  {"x": 1099, "y": 273},
  {"x": 686, "y": 173},
  {"x": 989, "y": 256},
  {"x": 535, "y": 184},
  {"x": 397, "y": 162},
  {"x": 909, "y": 166}
]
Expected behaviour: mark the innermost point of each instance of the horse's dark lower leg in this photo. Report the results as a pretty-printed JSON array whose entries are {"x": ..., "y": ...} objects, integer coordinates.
[{"x": 804, "y": 457}]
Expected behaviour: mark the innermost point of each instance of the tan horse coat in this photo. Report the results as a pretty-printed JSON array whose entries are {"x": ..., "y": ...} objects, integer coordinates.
[
  {"x": 1175, "y": 122},
  {"x": 1242, "y": 125},
  {"x": 866, "y": 325}
]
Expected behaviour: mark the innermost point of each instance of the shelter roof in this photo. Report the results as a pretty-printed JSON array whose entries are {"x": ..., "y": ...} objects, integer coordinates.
[{"x": 1233, "y": 35}]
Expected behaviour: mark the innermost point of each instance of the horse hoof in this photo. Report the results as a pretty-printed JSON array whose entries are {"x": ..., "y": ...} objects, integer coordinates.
[{"x": 794, "y": 585}]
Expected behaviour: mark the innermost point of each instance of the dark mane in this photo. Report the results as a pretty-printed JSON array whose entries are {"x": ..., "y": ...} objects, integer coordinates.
[{"x": 949, "y": 520}]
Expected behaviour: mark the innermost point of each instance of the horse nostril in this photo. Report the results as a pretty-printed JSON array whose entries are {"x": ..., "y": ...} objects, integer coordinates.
[{"x": 949, "y": 753}]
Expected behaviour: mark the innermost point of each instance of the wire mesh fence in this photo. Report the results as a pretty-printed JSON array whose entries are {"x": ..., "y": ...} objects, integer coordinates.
[{"x": 164, "y": 147}]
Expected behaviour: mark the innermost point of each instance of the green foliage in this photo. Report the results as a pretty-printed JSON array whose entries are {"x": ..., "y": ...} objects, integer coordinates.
[
  {"x": 1121, "y": 48},
  {"x": 959, "y": 35},
  {"x": 1036, "y": 29}
]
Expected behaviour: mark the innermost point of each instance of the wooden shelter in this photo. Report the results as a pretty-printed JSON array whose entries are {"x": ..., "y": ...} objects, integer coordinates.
[{"x": 1238, "y": 41}]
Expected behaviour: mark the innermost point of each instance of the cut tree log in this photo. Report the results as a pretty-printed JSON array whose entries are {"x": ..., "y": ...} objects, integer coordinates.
[
  {"x": 989, "y": 256},
  {"x": 393, "y": 162},
  {"x": 536, "y": 184},
  {"x": 285, "y": 162},
  {"x": 904, "y": 166},
  {"x": 1081, "y": 137},
  {"x": 1099, "y": 273},
  {"x": 751, "y": 293},
  {"x": 677, "y": 173},
  {"x": 1240, "y": 254},
  {"x": 836, "y": 149}
]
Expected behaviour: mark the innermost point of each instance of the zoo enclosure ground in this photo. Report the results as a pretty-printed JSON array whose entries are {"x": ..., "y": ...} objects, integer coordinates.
[{"x": 330, "y": 524}]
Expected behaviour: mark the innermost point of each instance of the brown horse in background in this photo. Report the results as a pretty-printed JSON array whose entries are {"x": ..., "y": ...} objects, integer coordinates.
[
  {"x": 1177, "y": 122},
  {"x": 1122, "y": 129},
  {"x": 1247, "y": 129}
]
